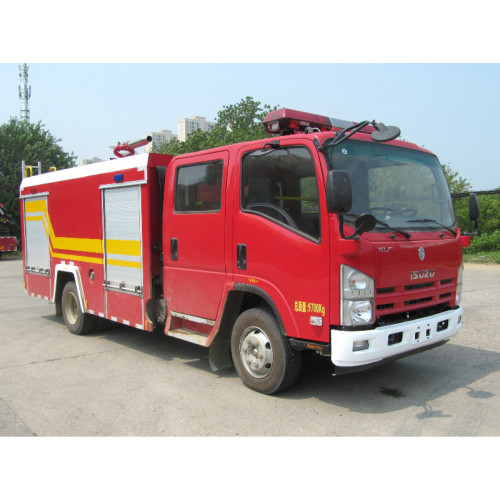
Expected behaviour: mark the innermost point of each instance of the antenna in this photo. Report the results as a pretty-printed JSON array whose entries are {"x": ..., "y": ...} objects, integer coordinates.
[{"x": 24, "y": 92}]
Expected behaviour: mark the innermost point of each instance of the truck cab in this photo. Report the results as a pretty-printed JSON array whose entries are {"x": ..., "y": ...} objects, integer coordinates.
[{"x": 262, "y": 231}]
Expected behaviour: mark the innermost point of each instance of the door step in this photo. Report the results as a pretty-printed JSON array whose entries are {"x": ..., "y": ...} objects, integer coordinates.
[{"x": 189, "y": 335}]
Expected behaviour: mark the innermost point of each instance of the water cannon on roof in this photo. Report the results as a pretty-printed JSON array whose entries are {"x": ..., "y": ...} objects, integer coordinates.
[{"x": 130, "y": 147}]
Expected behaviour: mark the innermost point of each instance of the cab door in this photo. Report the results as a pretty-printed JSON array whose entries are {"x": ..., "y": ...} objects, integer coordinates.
[
  {"x": 281, "y": 236},
  {"x": 194, "y": 237}
]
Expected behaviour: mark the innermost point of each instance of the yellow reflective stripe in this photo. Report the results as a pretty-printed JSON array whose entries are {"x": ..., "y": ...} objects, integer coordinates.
[
  {"x": 75, "y": 244},
  {"x": 124, "y": 247},
  {"x": 79, "y": 258},
  {"x": 123, "y": 263},
  {"x": 35, "y": 206}
]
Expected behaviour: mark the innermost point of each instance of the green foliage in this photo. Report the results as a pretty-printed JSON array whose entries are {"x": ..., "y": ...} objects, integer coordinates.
[
  {"x": 457, "y": 183},
  {"x": 485, "y": 243},
  {"x": 21, "y": 140},
  {"x": 235, "y": 123}
]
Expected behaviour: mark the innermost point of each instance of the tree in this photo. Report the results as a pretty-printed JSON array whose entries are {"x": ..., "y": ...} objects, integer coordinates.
[
  {"x": 21, "y": 140},
  {"x": 457, "y": 183},
  {"x": 235, "y": 123}
]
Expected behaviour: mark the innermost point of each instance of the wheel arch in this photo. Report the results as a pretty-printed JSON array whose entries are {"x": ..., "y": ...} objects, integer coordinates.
[{"x": 63, "y": 274}]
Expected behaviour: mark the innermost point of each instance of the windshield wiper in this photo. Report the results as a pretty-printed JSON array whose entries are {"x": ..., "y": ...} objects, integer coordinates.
[
  {"x": 452, "y": 231},
  {"x": 400, "y": 231},
  {"x": 382, "y": 223}
]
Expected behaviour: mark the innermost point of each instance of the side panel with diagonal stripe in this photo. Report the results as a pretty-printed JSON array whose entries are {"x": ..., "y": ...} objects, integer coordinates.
[{"x": 37, "y": 235}]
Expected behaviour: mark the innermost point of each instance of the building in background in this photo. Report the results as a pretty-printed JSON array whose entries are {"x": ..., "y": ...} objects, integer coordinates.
[
  {"x": 88, "y": 162},
  {"x": 186, "y": 126},
  {"x": 160, "y": 137}
]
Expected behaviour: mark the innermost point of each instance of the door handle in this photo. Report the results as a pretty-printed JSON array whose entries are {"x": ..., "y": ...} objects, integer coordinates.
[
  {"x": 174, "y": 249},
  {"x": 241, "y": 253}
]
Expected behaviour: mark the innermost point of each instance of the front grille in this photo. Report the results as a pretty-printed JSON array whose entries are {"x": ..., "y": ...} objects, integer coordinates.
[
  {"x": 391, "y": 319},
  {"x": 400, "y": 303},
  {"x": 419, "y": 285},
  {"x": 417, "y": 301}
]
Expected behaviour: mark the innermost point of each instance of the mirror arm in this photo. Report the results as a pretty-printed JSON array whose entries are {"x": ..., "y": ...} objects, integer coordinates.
[{"x": 355, "y": 236}]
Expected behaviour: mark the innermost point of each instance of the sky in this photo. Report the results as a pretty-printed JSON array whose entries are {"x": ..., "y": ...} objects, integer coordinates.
[
  {"x": 113, "y": 72},
  {"x": 451, "y": 109}
]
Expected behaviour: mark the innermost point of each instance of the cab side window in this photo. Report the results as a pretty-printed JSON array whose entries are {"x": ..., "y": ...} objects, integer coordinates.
[
  {"x": 281, "y": 185},
  {"x": 198, "y": 187}
]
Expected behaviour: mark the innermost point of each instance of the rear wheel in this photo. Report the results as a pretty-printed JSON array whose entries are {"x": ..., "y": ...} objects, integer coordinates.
[
  {"x": 76, "y": 320},
  {"x": 261, "y": 354}
]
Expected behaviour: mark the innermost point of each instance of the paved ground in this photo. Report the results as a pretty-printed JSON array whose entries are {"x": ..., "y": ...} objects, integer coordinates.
[{"x": 123, "y": 382}]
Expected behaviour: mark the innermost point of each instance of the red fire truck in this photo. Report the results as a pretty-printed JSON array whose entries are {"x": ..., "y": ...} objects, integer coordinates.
[
  {"x": 331, "y": 237},
  {"x": 8, "y": 242}
]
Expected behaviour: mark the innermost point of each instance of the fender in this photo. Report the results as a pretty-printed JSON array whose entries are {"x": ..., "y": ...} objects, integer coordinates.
[
  {"x": 264, "y": 295},
  {"x": 75, "y": 271}
]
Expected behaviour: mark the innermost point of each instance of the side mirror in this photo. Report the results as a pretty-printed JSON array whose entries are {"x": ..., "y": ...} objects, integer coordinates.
[
  {"x": 384, "y": 134},
  {"x": 473, "y": 207},
  {"x": 364, "y": 223},
  {"x": 338, "y": 192},
  {"x": 473, "y": 214}
]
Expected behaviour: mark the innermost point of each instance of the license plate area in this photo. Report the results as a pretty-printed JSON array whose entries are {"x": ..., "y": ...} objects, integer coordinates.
[{"x": 422, "y": 334}]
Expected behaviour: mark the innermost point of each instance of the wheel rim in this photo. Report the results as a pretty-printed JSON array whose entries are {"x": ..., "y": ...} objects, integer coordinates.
[
  {"x": 71, "y": 308},
  {"x": 256, "y": 352}
]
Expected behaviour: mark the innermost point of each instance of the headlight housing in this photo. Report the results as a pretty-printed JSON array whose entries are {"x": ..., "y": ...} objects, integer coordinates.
[
  {"x": 460, "y": 277},
  {"x": 357, "y": 292}
]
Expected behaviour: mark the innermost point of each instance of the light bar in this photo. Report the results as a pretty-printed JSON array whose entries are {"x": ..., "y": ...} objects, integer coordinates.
[{"x": 289, "y": 121}]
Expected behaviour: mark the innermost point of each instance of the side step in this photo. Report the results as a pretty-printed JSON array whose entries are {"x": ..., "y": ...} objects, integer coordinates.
[
  {"x": 191, "y": 328},
  {"x": 189, "y": 335}
]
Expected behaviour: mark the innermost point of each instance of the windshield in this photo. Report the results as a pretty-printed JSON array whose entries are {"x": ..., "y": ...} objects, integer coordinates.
[{"x": 401, "y": 187}]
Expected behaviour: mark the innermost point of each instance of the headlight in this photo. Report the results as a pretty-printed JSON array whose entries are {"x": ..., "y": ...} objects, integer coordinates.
[
  {"x": 357, "y": 294},
  {"x": 460, "y": 276}
]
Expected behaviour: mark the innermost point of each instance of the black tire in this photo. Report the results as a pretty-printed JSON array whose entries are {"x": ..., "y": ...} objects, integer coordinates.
[
  {"x": 76, "y": 320},
  {"x": 261, "y": 354}
]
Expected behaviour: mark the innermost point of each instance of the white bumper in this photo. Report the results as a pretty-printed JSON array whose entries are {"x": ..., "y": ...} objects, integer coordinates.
[{"x": 415, "y": 335}]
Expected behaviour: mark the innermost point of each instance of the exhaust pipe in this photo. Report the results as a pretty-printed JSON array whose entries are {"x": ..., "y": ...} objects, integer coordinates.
[{"x": 130, "y": 147}]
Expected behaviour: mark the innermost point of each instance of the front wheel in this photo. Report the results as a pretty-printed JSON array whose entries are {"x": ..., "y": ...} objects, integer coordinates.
[
  {"x": 262, "y": 356},
  {"x": 76, "y": 320}
]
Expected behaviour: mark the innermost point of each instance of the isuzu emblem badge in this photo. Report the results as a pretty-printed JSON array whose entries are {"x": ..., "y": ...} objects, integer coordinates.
[{"x": 421, "y": 253}]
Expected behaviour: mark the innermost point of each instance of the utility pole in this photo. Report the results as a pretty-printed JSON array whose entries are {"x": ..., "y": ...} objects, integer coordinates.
[{"x": 24, "y": 92}]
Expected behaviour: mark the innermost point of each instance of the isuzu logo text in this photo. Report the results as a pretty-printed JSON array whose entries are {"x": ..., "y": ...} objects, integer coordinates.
[{"x": 426, "y": 273}]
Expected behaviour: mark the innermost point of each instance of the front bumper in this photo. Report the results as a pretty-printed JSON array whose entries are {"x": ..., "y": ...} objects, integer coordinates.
[{"x": 393, "y": 341}]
